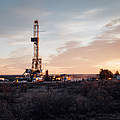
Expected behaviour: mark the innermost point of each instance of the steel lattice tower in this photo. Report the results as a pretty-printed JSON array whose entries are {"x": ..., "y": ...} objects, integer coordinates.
[{"x": 36, "y": 61}]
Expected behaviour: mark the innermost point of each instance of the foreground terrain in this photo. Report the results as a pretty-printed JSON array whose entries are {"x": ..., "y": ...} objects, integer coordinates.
[{"x": 93, "y": 100}]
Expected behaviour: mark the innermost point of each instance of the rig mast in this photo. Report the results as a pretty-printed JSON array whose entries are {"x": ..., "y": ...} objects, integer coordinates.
[{"x": 36, "y": 61}]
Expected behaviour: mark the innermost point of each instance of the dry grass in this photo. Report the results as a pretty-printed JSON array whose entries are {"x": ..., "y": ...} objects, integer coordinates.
[{"x": 81, "y": 100}]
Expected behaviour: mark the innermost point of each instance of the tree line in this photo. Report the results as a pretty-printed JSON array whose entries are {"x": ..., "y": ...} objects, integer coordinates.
[{"x": 106, "y": 74}]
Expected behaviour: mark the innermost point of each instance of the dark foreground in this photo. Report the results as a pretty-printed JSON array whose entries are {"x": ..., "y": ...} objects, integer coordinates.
[{"x": 60, "y": 101}]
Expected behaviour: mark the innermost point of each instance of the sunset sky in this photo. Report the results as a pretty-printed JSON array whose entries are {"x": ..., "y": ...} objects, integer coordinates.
[{"x": 77, "y": 36}]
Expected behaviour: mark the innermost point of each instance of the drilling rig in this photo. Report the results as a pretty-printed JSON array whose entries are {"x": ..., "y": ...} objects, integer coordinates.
[{"x": 36, "y": 61}]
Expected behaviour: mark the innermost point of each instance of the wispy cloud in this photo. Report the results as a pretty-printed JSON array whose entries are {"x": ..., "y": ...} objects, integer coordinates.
[
  {"x": 90, "y": 13},
  {"x": 15, "y": 65},
  {"x": 113, "y": 23},
  {"x": 89, "y": 59}
]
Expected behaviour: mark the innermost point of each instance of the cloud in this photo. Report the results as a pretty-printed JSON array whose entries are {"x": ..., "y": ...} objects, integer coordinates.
[
  {"x": 101, "y": 53},
  {"x": 113, "y": 64},
  {"x": 68, "y": 45},
  {"x": 71, "y": 29},
  {"x": 72, "y": 57},
  {"x": 22, "y": 51},
  {"x": 110, "y": 31},
  {"x": 113, "y": 23},
  {"x": 84, "y": 59},
  {"x": 15, "y": 65},
  {"x": 90, "y": 13}
]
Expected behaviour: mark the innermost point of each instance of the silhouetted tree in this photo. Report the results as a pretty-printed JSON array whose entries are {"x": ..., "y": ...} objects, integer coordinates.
[
  {"x": 117, "y": 73},
  {"x": 105, "y": 74}
]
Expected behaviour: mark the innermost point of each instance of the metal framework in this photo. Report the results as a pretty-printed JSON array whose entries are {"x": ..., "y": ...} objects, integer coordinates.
[{"x": 36, "y": 61}]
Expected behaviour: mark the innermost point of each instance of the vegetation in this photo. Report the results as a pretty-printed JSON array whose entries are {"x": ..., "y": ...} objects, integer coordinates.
[
  {"x": 105, "y": 74},
  {"x": 117, "y": 73},
  {"x": 60, "y": 101}
]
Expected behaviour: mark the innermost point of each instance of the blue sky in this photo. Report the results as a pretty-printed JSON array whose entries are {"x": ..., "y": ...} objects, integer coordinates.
[{"x": 67, "y": 25}]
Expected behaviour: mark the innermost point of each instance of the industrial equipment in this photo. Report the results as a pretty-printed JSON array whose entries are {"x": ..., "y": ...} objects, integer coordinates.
[
  {"x": 36, "y": 61},
  {"x": 36, "y": 70}
]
